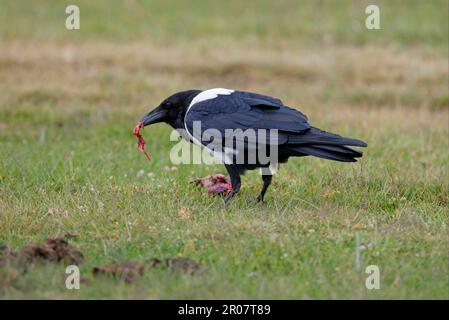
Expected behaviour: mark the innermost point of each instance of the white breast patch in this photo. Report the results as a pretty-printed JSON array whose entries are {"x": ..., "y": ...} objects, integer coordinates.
[
  {"x": 203, "y": 96},
  {"x": 209, "y": 94}
]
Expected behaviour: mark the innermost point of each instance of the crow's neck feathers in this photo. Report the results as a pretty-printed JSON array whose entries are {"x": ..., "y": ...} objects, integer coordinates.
[
  {"x": 203, "y": 96},
  {"x": 209, "y": 94}
]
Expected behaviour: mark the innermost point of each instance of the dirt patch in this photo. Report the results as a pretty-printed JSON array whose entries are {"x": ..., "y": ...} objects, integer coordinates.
[
  {"x": 130, "y": 270},
  {"x": 7, "y": 256},
  {"x": 53, "y": 250},
  {"x": 176, "y": 264},
  {"x": 183, "y": 265},
  {"x": 126, "y": 271}
]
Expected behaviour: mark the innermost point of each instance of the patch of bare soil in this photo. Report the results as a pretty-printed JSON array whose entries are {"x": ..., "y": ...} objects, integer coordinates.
[
  {"x": 126, "y": 271},
  {"x": 53, "y": 250},
  {"x": 177, "y": 264},
  {"x": 129, "y": 271},
  {"x": 7, "y": 256}
]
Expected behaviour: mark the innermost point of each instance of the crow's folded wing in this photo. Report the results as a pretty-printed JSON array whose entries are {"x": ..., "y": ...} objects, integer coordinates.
[{"x": 245, "y": 110}]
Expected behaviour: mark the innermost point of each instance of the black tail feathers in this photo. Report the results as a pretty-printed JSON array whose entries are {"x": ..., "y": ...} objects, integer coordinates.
[{"x": 322, "y": 144}]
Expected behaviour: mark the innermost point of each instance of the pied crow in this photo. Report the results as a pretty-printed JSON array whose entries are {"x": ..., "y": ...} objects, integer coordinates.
[{"x": 225, "y": 112}]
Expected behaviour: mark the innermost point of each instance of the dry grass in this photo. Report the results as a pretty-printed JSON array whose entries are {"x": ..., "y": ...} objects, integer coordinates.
[{"x": 134, "y": 75}]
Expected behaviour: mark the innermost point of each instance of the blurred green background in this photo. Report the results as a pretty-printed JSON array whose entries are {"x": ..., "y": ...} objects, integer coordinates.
[{"x": 406, "y": 22}]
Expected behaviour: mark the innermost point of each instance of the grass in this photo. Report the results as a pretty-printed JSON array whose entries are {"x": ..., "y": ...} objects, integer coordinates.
[
  {"x": 166, "y": 21},
  {"x": 68, "y": 161}
]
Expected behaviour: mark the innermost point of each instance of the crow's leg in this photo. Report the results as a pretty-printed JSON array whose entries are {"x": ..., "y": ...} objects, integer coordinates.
[
  {"x": 266, "y": 183},
  {"x": 235, "y": 181}
]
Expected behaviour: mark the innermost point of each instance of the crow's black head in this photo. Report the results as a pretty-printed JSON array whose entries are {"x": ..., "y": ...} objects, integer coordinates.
[{"x": 172, "y": 110}]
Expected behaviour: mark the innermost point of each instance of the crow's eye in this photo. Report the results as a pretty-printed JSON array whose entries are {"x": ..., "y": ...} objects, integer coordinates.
[{"x": 167, "y": 104}]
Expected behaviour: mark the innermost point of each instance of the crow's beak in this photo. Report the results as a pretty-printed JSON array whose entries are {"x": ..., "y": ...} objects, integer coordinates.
[{"x": 155, "y": 116}]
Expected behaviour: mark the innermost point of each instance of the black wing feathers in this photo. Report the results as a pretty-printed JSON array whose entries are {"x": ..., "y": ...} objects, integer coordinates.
[
  {"x": 317, "y": 136},
  {"x": 246, "y": 110}
]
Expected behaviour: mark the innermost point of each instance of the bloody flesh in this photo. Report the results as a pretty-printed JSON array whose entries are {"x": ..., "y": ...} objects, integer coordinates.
[
  {"x": 140, "y": 140},
  {"x": 220, "y": 185},
  {"x": 215, "y": 184}
]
